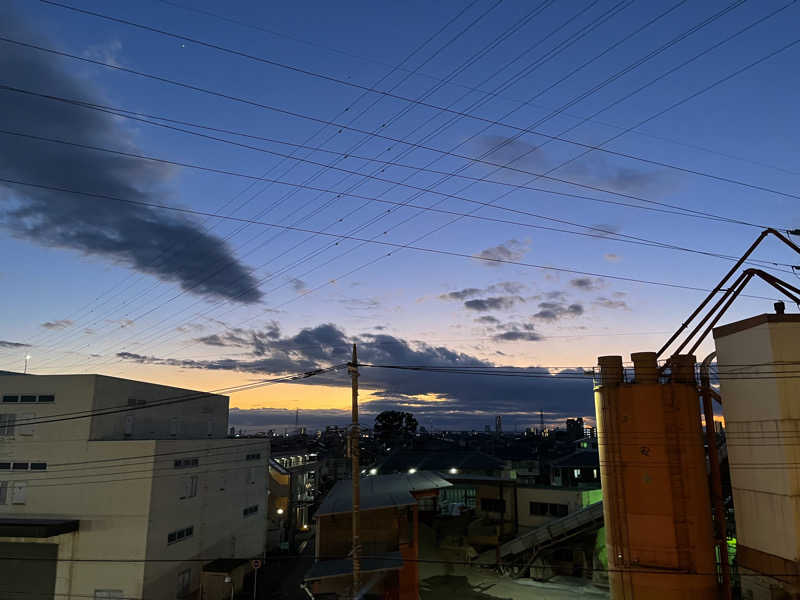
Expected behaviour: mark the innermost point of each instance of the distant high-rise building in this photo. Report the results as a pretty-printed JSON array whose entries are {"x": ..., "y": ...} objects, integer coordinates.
[
  {"x": 498, "y": 424},
  {"x": 575, "y": 428},
  {"x": 488, "y": 429}
]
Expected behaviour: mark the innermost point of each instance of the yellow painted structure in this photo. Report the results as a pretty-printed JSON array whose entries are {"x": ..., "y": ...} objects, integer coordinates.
[{"x": 657, "y": 508}]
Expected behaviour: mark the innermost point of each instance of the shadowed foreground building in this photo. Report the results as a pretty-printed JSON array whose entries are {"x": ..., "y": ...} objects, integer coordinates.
[
  {"x": 155, "y": 488},
  {"x": 389, "y": 534}
]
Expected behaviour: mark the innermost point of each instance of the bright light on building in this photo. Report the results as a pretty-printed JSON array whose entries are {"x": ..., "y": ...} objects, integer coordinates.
[
  {"x": 373, "y": 471},
  {"x": 453, "y": 470},
  {"x": 411, "y": 471},
  {"x": 279, "y": 511}
]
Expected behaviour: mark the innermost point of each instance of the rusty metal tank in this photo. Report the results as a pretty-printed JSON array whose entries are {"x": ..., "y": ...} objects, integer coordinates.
[{"x": 657, "y": 507}]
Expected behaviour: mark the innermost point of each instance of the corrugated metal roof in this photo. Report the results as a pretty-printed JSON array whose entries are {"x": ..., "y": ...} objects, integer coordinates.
[
  {"x": 344, "y": 566},
  {"x": 380, "y": 491},
  {"x": 440, "y": 460}
]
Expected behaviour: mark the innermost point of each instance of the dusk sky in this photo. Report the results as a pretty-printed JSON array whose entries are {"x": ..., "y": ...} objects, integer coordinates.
[{"x": 100, "y": 276}]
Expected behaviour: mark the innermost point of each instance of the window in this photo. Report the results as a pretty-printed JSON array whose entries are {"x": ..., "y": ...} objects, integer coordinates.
[
  {"x": 127, "y": 427},
  {"x": 5, "y": 466},
  {"x": 18, "y": 492},
  {"x": 174, "y": 426},
  {"x": 190, "y": 487},
  {"x": 250, "y": 510},
  {"x": 47, "y": 398},
  {"x": 458, "y": 495},
  {"x": 19, "y": 466},
  {"x": 108, "y": 595},
  {"x": 254, "y": 456},
  {"x": 10, "y": 398},
  {"x": 185, "y": 463},
  {"x": 38, "y": 466},
  {"x": 180, "y": 535},
  {"x": 27, "y": 398},
  {"x": 576, "y": 473},
  {"x": 184, "y": 583},
  {"x": 493, "y": 505},
  {"x": 250, "y": 476},
  {"x": 7, "y": 424},
  {"x": 538, "y": 508},
  {"x": 3, "y": 492}
]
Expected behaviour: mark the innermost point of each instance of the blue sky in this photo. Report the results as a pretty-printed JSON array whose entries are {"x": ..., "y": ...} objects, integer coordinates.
[{"x": 84, "y": 284}]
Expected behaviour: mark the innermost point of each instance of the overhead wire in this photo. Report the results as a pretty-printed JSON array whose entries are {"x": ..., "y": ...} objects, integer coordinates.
[{"x": 363, "y": 95}]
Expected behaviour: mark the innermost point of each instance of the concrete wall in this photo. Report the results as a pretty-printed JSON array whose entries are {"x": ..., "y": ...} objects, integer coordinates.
[
  {"x": 111, "y": 502},
  {"x": 762, "y": 418},
  {"x": 205, "y": 417},
  {"x": 572, "y": 498},
  {"x": 227, "y": 484}
]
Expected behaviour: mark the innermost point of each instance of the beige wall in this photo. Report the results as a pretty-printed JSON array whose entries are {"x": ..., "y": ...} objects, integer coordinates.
[
  {"x": 762, "y": 418},
  {"x": 526, "y": 495},
  {"x": 127, "y": 508}
]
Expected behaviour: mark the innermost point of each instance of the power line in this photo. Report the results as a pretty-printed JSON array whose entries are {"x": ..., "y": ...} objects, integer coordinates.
[
  {"x": 396, "y": 140},
  {"x": 439, "y": 108},
  {"x": 377, "y": 242}
]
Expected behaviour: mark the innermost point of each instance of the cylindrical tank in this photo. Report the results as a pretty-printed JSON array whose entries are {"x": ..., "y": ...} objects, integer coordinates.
[{"x": 657, "y": 508}]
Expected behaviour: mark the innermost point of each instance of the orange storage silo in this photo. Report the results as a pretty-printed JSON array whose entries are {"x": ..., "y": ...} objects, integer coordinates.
[{"x": 659, "y": 536}]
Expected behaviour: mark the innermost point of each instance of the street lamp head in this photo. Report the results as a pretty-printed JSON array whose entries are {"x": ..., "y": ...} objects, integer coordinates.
[
  {"x": 411, "y": 471},
  {"x": 279, "y": 511},
  {"x": 453, "y": 471}
]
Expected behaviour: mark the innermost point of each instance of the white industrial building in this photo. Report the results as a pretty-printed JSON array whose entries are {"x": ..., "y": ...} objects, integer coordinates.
[{"x": 132, "y": 503}]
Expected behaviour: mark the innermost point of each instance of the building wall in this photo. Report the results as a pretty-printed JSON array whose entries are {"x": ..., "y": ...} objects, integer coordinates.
[
  {"x": 128, "y": 508},
  {"x": 227, "y": 484},
  {"x": 110, "y": 501},
  {"x": 555, "y": 498},
  {"x": 205, "y": 417},
  {"x": 762, "y": 418}
]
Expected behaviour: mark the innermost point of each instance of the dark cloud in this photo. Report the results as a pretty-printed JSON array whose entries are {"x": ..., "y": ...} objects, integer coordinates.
[
  {"x": 518, "y": 332},
  {"x": 509, "y": 151},
  {"x": 488, "y": 320},
  {"x": 462, "y": 294},
  {"x": 587, "y": 284},
  {"x": 155, "y": 242},
  {"x": 553, "y": 311},
  {"x": 492, "y": 303},
  {"x": 512, "y": 250},
  {"x": 7, "y": 344},
  {"x": 465, "y": 399},
  {"x": 604, "y": 302},
  {"x": 298, "y": 285},
  {"x": 508, "y": 287},
  {"x": 60, "y": 324},
  {"x": 597, "y": 169}
]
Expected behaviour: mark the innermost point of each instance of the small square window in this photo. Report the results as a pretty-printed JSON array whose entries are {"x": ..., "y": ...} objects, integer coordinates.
[
  {"x": 47, "y": 398},
  {"x": 181, "y": 534},
  {"x": 19, "y": 466},
  {"x": 10, "y": 398},
  {"x": 26, "y": 398},
  {"x": 172, "y": 538}
]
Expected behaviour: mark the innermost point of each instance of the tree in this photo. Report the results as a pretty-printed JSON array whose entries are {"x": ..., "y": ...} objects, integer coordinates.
[{"x": 394, "y": 427}]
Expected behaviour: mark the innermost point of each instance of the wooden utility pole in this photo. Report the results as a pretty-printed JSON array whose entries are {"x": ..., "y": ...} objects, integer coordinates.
[{"x": 355, "y": 438}]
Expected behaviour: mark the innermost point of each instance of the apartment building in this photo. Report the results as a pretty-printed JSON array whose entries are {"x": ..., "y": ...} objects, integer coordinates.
[{"x": 112, "y": 488}]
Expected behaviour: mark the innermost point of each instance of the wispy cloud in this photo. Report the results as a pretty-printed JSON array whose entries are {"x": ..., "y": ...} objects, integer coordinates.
[
  {"x": 60, "y": 324},
  {"x": 512, "y": 250},
  {"x": 7, "y": 344},
  {"x": 492, "y": 303}
]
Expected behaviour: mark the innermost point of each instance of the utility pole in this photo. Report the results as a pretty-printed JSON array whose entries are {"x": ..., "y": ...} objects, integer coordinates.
[{"x": 355, "y": 436}]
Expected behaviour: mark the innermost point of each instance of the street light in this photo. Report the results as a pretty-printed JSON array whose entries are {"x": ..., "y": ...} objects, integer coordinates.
[
  {"x": 279, "y": 511},
  {"x": 27, "y": 360},
  {"x": 411, "y": 471},
  {"x": 453, "y": 470}
]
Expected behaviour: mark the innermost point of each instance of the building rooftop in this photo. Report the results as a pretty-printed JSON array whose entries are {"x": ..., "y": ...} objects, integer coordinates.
[
  {"x": 379, "y": 491},
  {"x": 583, "y": 458},
  {"x": 751, "y": 322}
]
